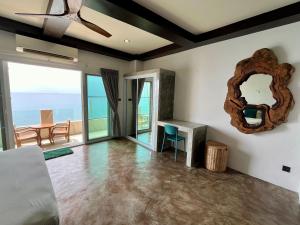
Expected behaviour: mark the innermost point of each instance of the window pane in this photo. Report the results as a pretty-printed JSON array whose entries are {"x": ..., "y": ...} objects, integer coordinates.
[
  {"x": 49, "y": 88},
  {"x": 98, "y": 115}
]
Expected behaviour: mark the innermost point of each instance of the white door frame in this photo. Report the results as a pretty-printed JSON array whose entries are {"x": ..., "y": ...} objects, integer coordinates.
[
  {"x": 7, "y": 112},
  {"x": 155, "y": 87}
]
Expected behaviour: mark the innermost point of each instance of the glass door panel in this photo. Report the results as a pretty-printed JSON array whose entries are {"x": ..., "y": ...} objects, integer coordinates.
[
  {"x": 97, "y": 108},
  {"x": 144, "y": 111},
  {"x": 144, "y": 114}
]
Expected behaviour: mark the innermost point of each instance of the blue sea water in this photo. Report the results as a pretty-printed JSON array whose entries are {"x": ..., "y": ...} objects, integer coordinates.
[
  {"x": 26, "y": 106},
  {"x": 66, "y": 106}
]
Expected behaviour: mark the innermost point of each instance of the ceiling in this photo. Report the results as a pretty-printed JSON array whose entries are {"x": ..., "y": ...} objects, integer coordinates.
[
  {"x": 9, "y": 7},
  {"x": 140, "y": 41},
  {"x": 198, "y": 16},
  {"x": 154, "y": 27}
]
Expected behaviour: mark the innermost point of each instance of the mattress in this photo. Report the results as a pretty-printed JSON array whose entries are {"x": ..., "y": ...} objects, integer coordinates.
[{"x": 26, "y": 192}]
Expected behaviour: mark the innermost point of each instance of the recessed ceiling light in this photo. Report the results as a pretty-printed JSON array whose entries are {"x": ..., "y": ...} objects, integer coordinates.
[
  {"x": 19, "y": 49},
  {"x": 127, "y": 41}
]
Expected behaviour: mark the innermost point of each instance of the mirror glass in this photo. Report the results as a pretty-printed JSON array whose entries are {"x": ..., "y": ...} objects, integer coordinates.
[
  {"x": 253, "y": 116},
  {"x": 139, "y": 108},
  {"x": 256, "y": 91},
  {"x": 144, "y": 113},
  {"x": 131, "y": 106}
]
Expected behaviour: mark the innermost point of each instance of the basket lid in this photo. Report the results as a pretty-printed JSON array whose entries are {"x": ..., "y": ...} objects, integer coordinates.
[{"x": 215, "y": 143}]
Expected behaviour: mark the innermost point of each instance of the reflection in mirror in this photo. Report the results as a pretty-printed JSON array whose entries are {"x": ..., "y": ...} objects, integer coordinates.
[
  {"x": 256, "y": 90},
  {"x": 131, "y": 89},
  {"x": 253, "y": 116},
  {"x": 144, "y": 114}
]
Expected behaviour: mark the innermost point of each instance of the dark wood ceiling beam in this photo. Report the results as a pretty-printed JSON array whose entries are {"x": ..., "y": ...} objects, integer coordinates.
[
  {"x": 35, "y": 32},
  {"x": 278, "y": 17},
  {"x": 56, "y": 27},
  {"x": 159, "y": 52},
  {"x": 136, "y": 15}
]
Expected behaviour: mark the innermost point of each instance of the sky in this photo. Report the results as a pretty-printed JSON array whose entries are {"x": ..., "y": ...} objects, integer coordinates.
[{"x": 41, "y": 79}]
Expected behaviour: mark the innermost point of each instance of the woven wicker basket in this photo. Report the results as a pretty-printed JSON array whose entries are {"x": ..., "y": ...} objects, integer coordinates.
[{"x": 216, "y": 156}]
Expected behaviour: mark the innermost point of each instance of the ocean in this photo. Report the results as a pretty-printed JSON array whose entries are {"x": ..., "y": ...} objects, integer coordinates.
[{"x": 66, "y": 106}]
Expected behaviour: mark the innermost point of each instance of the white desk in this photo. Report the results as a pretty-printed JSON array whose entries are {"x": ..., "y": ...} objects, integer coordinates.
[{"x": 196, "y": 137}]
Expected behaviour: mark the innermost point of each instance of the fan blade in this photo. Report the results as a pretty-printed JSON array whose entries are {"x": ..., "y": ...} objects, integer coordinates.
[
  {"x": 47, "y": 15},
  {"x": 94, "y": 27},
  {"x": 40, "y": 15}
]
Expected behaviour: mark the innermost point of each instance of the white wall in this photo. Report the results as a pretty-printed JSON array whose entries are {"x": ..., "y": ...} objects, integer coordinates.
[
  {"x": 201, "y": 78},
  {"x": 88, "y": 62}
]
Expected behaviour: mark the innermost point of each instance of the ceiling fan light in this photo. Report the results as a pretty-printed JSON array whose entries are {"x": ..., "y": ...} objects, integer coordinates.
[{"x": 19, "y": 49}]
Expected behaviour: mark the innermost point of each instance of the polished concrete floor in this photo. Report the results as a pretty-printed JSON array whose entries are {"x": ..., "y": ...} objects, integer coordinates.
[
  {"x": 119, "y": 183},
  {"x": 145, "y": 138}
]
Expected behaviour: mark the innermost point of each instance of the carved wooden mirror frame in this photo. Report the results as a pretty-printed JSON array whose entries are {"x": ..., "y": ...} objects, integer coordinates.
[{"x": 263, "y": 61}]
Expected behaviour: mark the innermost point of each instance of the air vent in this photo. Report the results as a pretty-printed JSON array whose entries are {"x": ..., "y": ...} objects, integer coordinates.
[{"x": 39, "y": 47}]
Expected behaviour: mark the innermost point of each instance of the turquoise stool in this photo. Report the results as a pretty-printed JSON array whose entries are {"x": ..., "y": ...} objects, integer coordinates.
[{"x": 171, "y": 134}]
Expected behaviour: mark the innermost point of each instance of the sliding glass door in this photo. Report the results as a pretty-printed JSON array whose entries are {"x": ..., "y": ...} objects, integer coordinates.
[
  {"x": 144, "y": 113},
  {"x": 98, "y": 111},
  {"x": 139, "y": 108},
  {"x": 42, "y": 96},
  {"x": 145, "y": 107}
]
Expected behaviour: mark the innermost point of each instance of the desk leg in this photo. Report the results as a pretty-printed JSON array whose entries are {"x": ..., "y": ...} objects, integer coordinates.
[
  {"x": 159, "y": 138},
  {"x": 195, "y": 146},
  {"x": 189, "y": 149}
]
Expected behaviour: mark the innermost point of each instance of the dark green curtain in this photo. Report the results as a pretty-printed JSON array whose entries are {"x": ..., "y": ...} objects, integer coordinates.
[
  {"x": 111, "y": 84},
  {"x": 137, "y": 89}
]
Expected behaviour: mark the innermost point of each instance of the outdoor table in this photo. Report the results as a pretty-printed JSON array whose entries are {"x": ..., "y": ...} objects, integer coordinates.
[{"x": 40, "y": 127}]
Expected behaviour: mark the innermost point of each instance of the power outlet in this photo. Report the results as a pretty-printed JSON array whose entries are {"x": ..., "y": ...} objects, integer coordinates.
[{"x": 286, "y": 169}]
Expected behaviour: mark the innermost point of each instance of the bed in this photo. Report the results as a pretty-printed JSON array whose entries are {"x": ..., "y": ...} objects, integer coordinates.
[{"x": 26, "y": 192}]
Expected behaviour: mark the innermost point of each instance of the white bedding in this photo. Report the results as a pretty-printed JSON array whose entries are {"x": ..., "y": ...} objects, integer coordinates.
[
  {"x": 254, "y": 121},
  {"x": 26, "y": 193}
]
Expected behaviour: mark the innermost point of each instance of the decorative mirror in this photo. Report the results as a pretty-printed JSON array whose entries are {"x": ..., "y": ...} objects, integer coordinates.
[{"x": 258, "y": 98}]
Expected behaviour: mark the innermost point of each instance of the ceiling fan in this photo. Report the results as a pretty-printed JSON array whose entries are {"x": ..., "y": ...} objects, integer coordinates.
[{"x": 71, "y": 12}]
